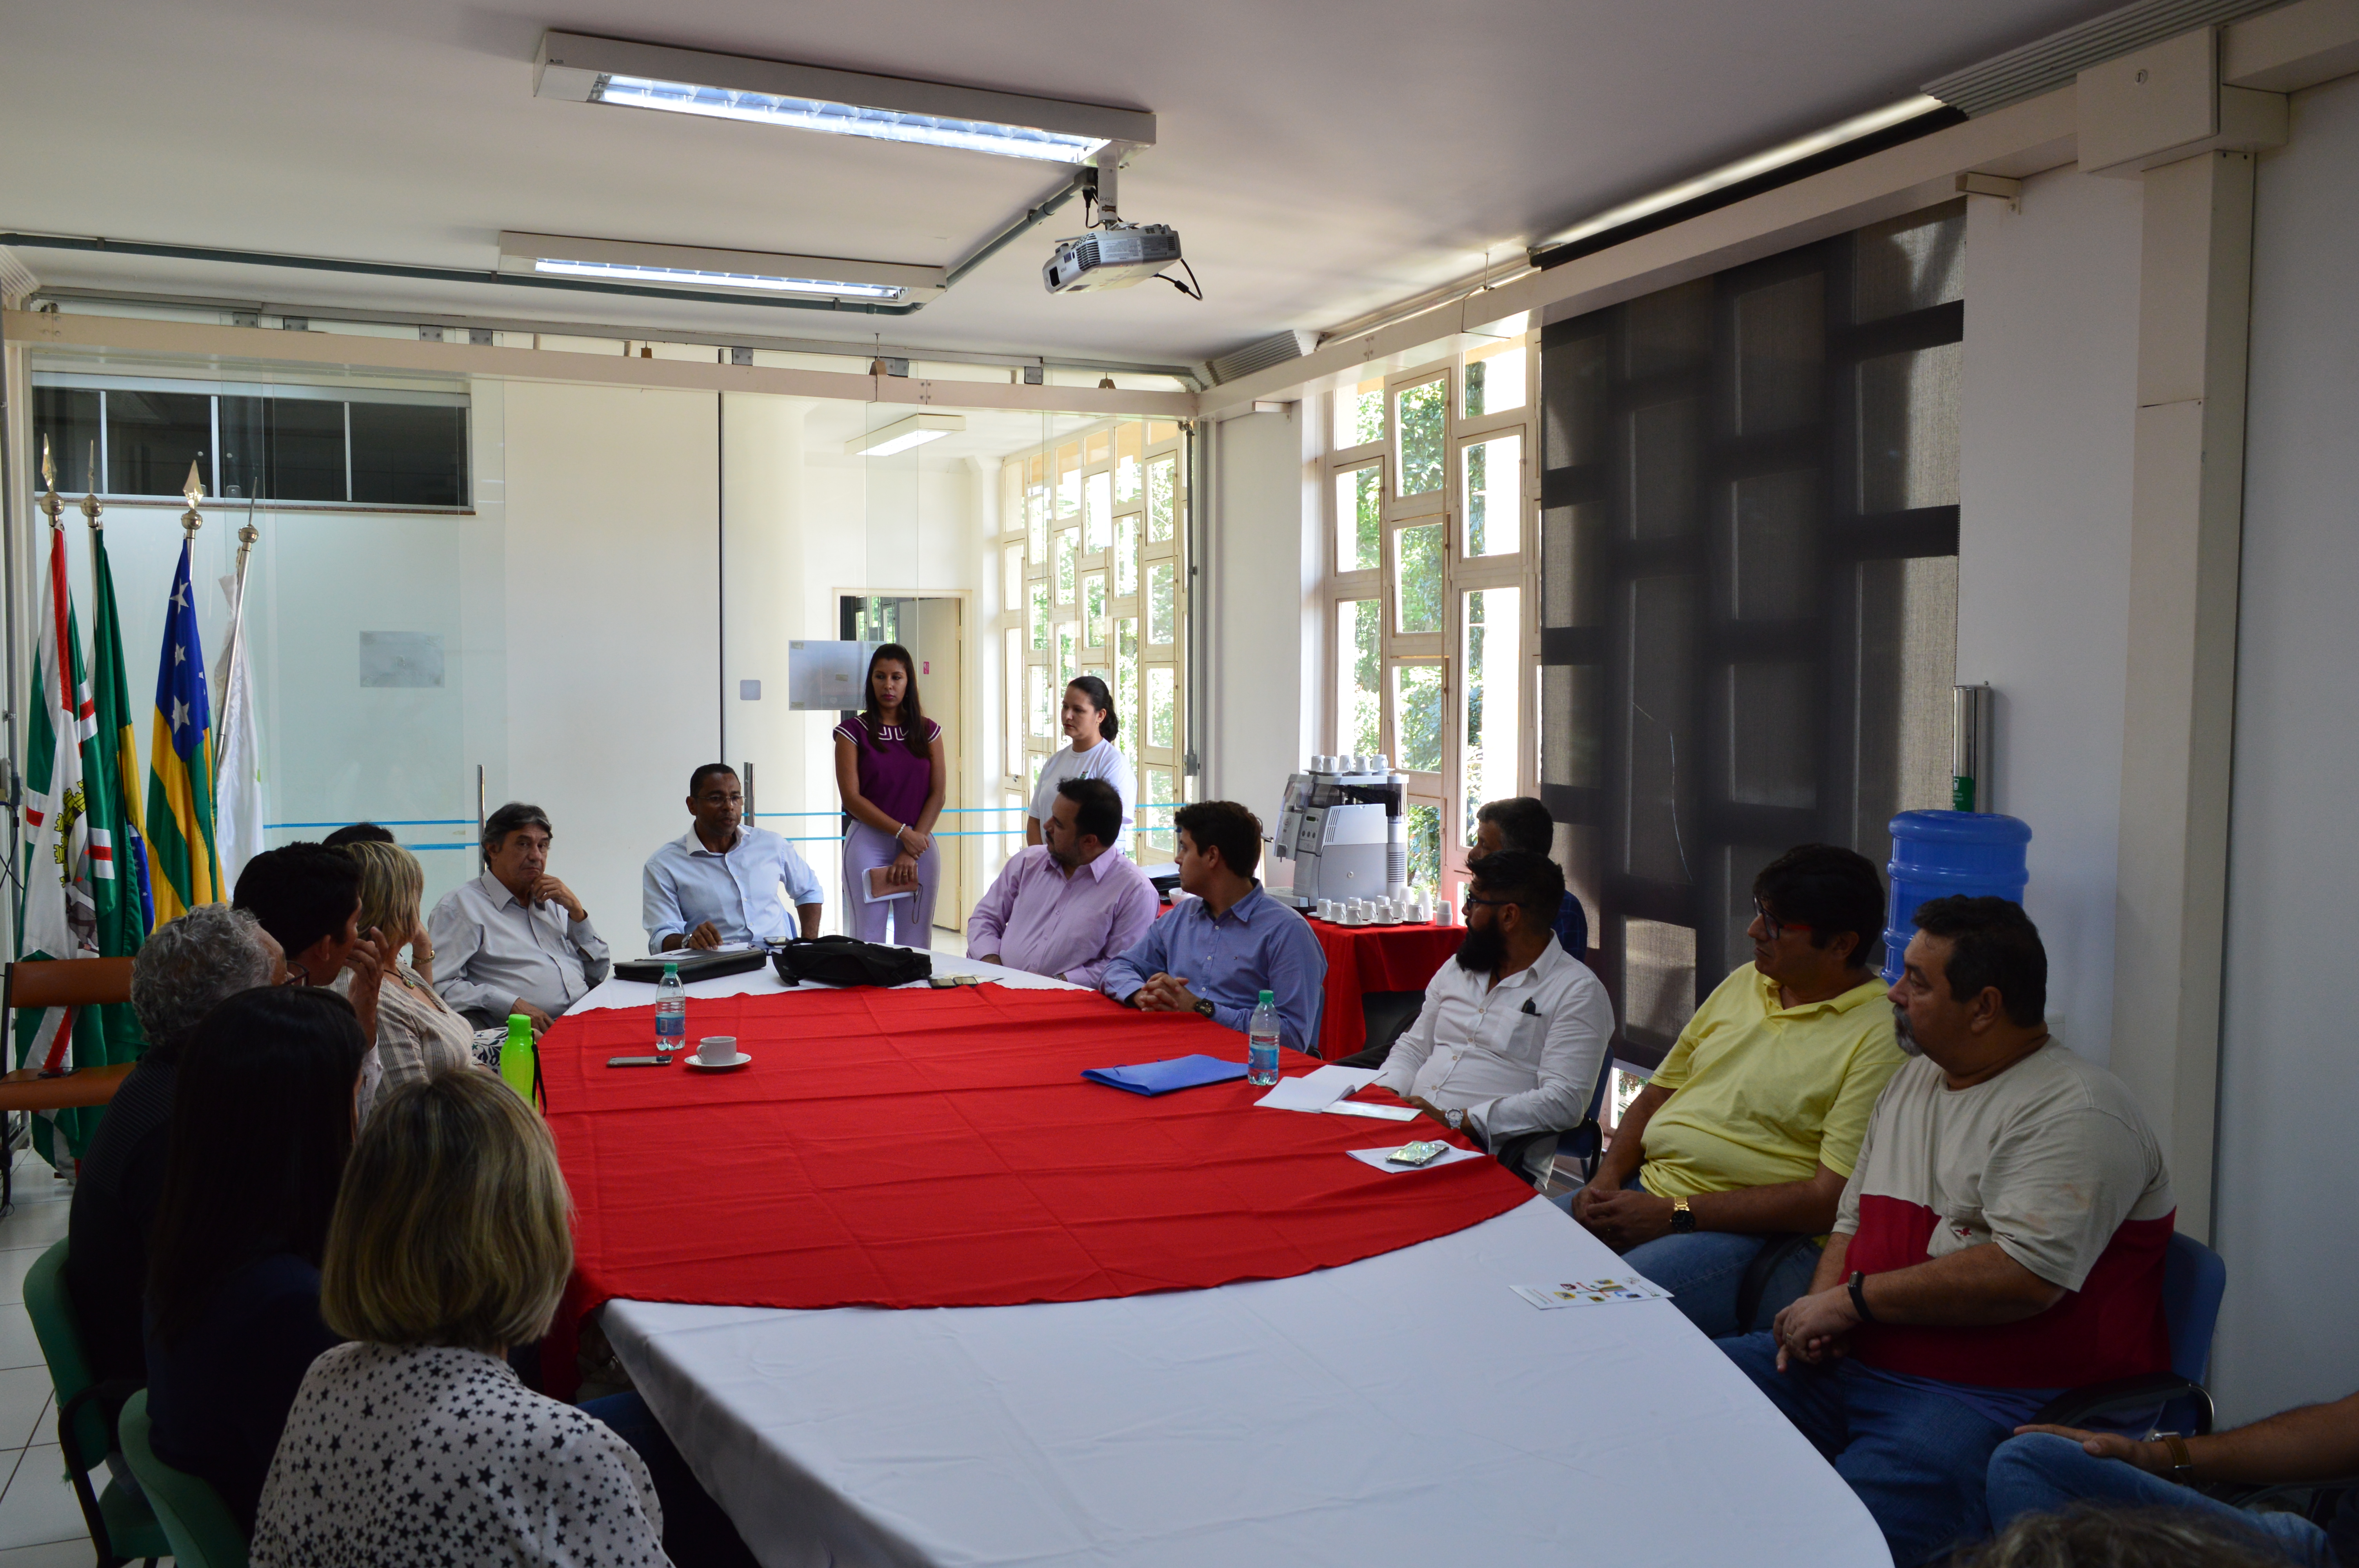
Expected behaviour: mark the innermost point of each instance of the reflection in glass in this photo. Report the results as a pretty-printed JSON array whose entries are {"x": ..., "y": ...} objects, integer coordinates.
[
  {"x": 1424, "y": 846},
  {"x": 1069, "y": 662},
  {"x": 153, "y": 436},
  {"x": 1495, "y": 380},
  {"x": 1162, "y": 602},
  {"x": 68, "y": 417},
  {"x": 1125, "y": 555},
  {"x": 1489, "y": 745},
  {"x": 1069, "y": 549},
  {"x": 1012, "y": 698},
  {"x": 1360, "y": 415},
  {"x": 282, "y": 448},
  {"x": 1126, "y": 445},
  {"x": 1156, "y": 823},
  {"x": 1162, "y": 477},
  {"x": 1097, "y": 447},
  {"x": 1126, "y": 684},
  {"x": 1417, "y": 717},
  {"x": 1359, "y": 519},
  {"x": 1099, "y": 513},
  {"x": 1040, "y": 615},
  {"x": 405, "y": 455},
  {"x": 1035, "y": 684},
  {"x": 1093, "y": 610},
  {"x": 1359, "y": 717},
  {"x": 1421, "y": 413},
  {"x": 1162, "y": 708},
  {"x": 1417, "y": 578},
  {"x": 1495, "y": 499},
  {"x": 1068, "y": 479}
]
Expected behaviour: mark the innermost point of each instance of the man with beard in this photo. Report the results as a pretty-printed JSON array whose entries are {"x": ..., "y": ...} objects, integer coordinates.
[
  {"x": 1746, "y": 1134},
  {"x": 2001, "y": 1240},
  {"x": 1514, "y": 1034},
  {"x": 1072, "y": 904}
]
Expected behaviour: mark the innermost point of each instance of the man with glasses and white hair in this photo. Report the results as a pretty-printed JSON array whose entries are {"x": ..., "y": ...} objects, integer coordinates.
[
  {"x": 1746, "y": 1132},
  {"x": 1514, "y": 1033},
  {"x": 189, "y": 965},
  {"x": 515, "y": 940}
]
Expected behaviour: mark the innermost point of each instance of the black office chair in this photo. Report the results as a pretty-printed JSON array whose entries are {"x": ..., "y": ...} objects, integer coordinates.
[
  {"x": 1585, "y": 1139},
  {"x": 1386, "y": 1016}
]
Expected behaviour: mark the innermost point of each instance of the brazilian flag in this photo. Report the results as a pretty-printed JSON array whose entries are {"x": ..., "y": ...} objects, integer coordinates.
[{"x": 181, "y": 866}]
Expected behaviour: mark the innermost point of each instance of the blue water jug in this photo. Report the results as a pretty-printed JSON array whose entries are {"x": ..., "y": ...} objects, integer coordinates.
[{"x": 1938, "y": 854}]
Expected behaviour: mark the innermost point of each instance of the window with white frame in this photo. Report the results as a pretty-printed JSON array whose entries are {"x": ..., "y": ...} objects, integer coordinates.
[
  {"x": 1429, "y": 529},
  {"x": 1093, "y": 568}
]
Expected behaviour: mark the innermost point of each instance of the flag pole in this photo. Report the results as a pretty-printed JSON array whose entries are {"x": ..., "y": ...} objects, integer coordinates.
[{"x": 229, "y": 654}]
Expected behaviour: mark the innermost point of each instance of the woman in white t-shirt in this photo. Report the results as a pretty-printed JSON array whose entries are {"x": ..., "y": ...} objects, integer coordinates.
[{"x": 1092, "y": 723}]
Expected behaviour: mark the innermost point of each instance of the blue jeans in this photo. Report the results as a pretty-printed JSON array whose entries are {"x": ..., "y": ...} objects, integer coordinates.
[
  {"x": 1916, "y": 1458},
  {"x": 1703, "y": 1268},
  {"x": 2039, "y": 1472}
]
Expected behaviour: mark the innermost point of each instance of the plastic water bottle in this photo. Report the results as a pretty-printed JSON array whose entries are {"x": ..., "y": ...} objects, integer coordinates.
[
  {"x": 1261, "y": 1042},
  {"x": 671, "y": 1012},
  {"x": 517, "y": 1057}
]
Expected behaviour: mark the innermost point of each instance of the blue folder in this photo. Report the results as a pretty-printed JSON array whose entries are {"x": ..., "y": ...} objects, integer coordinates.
[{"x": 1162, "y": 1077}]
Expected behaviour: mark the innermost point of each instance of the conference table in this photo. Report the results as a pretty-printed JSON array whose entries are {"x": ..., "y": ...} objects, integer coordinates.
[
  {"x": 1406, "y": 1406},
  {"x": 1365, "y": 959}
]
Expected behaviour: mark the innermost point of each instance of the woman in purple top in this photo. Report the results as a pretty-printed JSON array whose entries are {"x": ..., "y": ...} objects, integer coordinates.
[{"x": 888, "y": 763}]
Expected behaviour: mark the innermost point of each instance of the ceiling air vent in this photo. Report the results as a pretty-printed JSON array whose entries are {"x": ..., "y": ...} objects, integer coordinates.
[{"x": 1273, "y": 350}]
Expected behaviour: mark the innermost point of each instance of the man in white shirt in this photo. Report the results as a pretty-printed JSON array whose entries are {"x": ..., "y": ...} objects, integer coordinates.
[
  {"x": 515, "y": 940},
  {"x": 718, "y": 882},
  {"x": 1514, "y": 1031}
]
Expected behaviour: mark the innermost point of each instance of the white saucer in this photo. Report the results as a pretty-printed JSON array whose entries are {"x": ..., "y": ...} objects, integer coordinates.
[{"x": 702, "y": 1066}]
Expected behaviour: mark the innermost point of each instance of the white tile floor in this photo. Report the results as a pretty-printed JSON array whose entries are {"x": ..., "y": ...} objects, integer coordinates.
[{"x": 40, "y": 1523}]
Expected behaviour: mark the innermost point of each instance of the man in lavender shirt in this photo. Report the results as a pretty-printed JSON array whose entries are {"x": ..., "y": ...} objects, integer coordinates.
[{"x": 1067, "y": 906}]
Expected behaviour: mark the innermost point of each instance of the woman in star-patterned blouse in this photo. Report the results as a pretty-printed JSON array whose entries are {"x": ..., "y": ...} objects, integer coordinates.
[{"x": 417, "y": 1444}]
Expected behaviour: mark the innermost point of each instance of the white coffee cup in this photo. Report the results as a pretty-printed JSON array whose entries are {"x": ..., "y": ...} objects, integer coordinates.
[
  {"x": 717, "y": 1050},
  {"x": 1445, "y": 915}
]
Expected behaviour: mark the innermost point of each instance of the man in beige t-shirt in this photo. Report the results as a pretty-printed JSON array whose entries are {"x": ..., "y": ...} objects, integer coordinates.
[{"x": 2000, "y": 1239}]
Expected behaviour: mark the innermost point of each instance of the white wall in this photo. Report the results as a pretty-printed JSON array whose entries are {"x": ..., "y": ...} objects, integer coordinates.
[
  {"x": 2288, "y": 1182},
  {"x": 2044, "y": 548},
  {"x": 613, "y": 656},
  {"x": 1261, "y": 573}
]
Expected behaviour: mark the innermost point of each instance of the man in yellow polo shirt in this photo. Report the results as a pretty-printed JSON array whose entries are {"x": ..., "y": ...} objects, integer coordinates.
[{"x": 1749, "y": 1130}]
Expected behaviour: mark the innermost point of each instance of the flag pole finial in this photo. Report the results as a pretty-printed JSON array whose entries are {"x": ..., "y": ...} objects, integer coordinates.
[
  {"x": 48, "y": 502},
  {"x": 90, "y": 507},
  {"x": 193, "y": 493}
]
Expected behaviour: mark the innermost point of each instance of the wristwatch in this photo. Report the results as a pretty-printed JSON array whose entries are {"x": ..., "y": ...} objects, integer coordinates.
[
  {"x": 1682, "y": 1218},
  {"x": 1204, "y": 1006},
  {"x": 1454, "y": 1120},
  {"x": 1859, "y": 1296},
  {"x": 2182, "y": 1462}
]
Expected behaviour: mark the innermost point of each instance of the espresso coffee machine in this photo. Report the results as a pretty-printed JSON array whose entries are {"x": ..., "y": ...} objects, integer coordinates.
[{"x": 1344, "y": 824}]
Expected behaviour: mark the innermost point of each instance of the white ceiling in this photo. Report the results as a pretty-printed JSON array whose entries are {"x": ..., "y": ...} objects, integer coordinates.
[{"x": 1318, "y": 160}]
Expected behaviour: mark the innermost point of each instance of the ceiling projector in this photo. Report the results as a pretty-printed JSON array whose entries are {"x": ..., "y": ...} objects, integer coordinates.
[{"x": 1113, "y": 257}]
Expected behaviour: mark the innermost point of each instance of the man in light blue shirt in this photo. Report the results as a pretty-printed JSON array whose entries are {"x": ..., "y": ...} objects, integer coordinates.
[
  {"x": 718, "y": 883},
  {"x": 1215, "y": 953}
]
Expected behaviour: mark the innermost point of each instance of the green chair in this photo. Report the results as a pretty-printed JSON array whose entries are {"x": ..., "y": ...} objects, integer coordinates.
[
  {"x": 121, "y": 1525},
  {"x": 196, "y": 1521}
]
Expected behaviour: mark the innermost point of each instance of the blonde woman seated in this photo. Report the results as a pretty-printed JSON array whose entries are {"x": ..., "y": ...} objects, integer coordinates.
[
  {"x": 449, "y": 1245},
  {"x": 416, "y": 1033}
]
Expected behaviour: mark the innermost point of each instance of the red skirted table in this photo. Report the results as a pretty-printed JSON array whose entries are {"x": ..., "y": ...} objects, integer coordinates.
[
  {"x": 940, "y": 1148},
  {"x": 1363, "y": 958}
]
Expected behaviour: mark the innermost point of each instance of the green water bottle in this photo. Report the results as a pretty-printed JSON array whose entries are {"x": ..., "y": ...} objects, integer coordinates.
[{"x": 517, "y": 1057}]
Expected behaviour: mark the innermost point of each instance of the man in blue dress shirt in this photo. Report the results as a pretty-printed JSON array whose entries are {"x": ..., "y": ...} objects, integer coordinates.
[
  {"x": 1216, "y": 953},
  {"x": 718, "y": 883}
]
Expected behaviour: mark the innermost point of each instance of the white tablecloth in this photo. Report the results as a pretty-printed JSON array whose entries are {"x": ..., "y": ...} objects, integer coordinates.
[{"x": 1408, "y": 1408}]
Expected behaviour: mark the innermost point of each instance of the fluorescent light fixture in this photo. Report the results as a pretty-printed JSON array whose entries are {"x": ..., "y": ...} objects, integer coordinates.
[
  {"x": 578, "y": 68},
  {"x": 903, "y": 434},
  {"x": 1746, "y": 169},
  {"x": 718, "y": 271}
]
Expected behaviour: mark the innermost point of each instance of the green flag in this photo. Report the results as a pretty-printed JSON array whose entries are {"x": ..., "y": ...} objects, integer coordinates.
[{"x": 109, "y": 766}]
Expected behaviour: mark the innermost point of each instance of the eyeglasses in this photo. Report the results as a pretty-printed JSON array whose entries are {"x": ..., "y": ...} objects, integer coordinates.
[
  {"x": 1473, "y": 898},
  {"x": 1775, "y": 927}
]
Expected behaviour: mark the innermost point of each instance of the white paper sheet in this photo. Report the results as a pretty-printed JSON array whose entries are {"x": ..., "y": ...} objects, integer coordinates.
[
  {"x": 1317, "y": 1090},
  {"x": 1379, "y": 1112},
  {"x": 1381, "y": 1158}
]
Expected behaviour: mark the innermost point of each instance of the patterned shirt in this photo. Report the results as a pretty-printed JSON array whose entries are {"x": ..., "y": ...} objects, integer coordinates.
[
  {"x": 892, "y": 779},
  {"x": 392, "y": 1458}
]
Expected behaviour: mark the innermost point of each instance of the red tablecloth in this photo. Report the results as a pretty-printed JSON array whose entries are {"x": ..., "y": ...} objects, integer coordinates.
[
  {"x": 915, "y": 1149},
  {"x": 1362, "y": 958}
]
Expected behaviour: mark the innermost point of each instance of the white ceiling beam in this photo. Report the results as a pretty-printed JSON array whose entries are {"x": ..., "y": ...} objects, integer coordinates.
[{"x": 58, "y": 330}]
